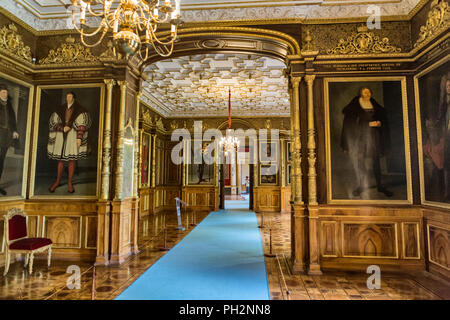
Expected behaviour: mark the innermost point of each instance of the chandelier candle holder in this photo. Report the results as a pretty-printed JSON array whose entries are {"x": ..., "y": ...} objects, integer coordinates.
[
  {"x": 230, "y": 143},
  {"x": 133, "y": 24}
]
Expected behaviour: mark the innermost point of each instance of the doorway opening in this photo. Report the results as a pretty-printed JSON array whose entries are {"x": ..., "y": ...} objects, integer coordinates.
[{"x": 237, "y": 181}]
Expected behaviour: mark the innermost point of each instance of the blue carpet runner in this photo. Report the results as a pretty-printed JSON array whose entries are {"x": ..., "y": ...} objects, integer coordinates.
[{"x": 221, "y": 259}]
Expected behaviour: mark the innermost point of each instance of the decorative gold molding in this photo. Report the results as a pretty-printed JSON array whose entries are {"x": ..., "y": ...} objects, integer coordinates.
[
  {"x": 11, "y": 41},
  {"x": 364, "y": 42},
  {"x": 69, "y": 52},
  {"x": 438, "y": 20}
]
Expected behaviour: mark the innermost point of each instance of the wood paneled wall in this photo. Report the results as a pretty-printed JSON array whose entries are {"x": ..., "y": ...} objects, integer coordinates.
[
  {"x": 267, "y": 199},
  {"x": 356, "y": 237},
  {"x": 201, "y": 198},
  {"x": 437, "y": 240}
]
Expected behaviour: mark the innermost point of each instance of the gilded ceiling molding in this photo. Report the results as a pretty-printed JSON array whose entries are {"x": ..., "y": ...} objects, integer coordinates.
[
  {"x": 364, "y": 42},
  {"x": 69, "y": 52},
  {"x": 438, "y": 20},
  {"x": 11, "y": 41}
]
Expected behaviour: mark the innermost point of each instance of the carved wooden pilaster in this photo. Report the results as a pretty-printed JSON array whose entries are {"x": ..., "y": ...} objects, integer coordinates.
[
  {"x": 291, "y": 148},
  {"x": 135, "y": 194},
  {"x": 312, "y": 174},
  {"x": 137, "y": 157},
  {"x": 296, "y": 155},
  {"x": 104, "y": 206},
  {"x": 299, "y": 239},
  {"x": 106, "y": 169}
]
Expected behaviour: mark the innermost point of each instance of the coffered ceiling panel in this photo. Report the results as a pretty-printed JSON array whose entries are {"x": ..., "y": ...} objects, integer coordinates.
[{"x": 197, "y": 86}]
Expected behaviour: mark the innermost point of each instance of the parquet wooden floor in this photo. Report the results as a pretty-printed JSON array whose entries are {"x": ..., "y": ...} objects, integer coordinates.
[{"x": 110, "y": 281}]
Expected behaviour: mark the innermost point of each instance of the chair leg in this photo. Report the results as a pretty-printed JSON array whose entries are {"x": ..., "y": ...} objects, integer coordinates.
[
  {"x": 8, "y": 260},
  {"x": 27, "y": 258},
  {"x": 31, "y": 263},
  {"x": 49, "y": 259}
]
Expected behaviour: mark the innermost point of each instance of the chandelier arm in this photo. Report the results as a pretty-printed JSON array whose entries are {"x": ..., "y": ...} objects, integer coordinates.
[
  {"x": 155, "y": 38},
  {"x": 95, "y": 14},
  {"x": 146, "y": 54},
  {"x": 161, "y": 53}
]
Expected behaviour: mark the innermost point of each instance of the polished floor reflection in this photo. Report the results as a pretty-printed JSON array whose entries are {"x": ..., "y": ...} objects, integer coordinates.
[{"x": 109, "y": 281}]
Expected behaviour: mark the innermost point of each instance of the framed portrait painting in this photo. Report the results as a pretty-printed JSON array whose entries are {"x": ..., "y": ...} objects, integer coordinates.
[
  {"x": 145, "y": 159},
  {"x": 432, "y": 90},
  {"x": 16, "y": 98},
  {"x": 200, "y": 174},
  {"x": 266, "y": 177},
  {"x": 67, "y": 141},
  {"x": 367, "y": 140}
]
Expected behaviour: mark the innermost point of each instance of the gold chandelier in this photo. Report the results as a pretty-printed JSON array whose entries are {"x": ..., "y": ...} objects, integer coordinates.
[{"x": 133, "y": 23}]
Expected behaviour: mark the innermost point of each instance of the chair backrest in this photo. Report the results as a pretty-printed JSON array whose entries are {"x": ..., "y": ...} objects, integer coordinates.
[{"x": 15, "y": 225}]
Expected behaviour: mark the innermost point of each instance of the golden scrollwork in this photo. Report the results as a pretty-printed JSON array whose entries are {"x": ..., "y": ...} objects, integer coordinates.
[
  {"x": 437, "y": 21},
  {"x": 173, "y": 125},
  {"x": 364, "y": 42},
  {"x": 160, "y": 124},
  {"x": 69, "y": 52},
  {"x": 147, "y": 117},
  {"x": 12, "y": 42}
]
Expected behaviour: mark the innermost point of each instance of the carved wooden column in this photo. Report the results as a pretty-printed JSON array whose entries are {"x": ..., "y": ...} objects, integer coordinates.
[
  {"x": 313, "y": 210},
  {"x": 121, "y": 213},
  {"x": 135, "y": 194},
  {"x": 104, "y": 205},
  {"x": 299, "y": 221},
  {"x": 291, "y": 146}
]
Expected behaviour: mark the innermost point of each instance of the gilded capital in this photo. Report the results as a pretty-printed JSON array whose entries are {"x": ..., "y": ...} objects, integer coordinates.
[
  {"x": 310, "y": 79},
  {"x": 296, "y": 81},
  {"x": 110, "y": 83},
  {"x": 122, "y": 84}
]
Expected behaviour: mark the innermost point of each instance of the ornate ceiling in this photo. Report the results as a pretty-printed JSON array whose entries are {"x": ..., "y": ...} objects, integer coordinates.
[
  {"x": 197, "y": 86},
  {"x": 53, "y": 15}
]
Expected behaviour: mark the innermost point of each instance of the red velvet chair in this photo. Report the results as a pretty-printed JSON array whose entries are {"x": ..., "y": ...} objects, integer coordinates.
[{"x": 17, "y": 241}]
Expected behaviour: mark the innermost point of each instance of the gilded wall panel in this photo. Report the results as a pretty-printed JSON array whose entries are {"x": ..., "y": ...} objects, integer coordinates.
[{"x": 327, "y": 36}]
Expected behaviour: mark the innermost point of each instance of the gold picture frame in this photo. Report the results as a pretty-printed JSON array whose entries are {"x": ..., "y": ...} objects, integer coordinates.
[
  {"x": 149, "y": 152},
  {"x": 265, "y": 183},
  {"x": 190, "y": 158},
  {"x": 101, "y": 86},
  {"x": 420, "y": 133},
  {"x": 27, "y": 141},
  {"x": 406, "y": 140}
]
